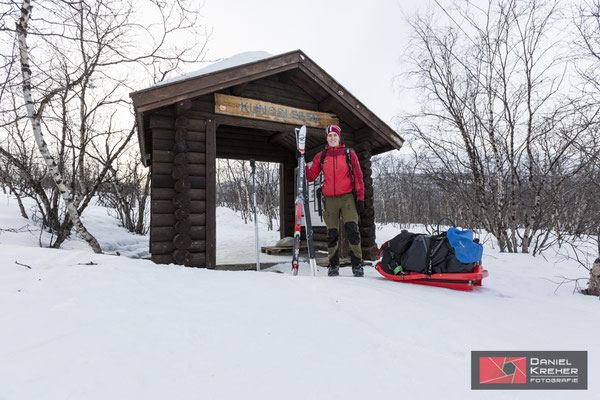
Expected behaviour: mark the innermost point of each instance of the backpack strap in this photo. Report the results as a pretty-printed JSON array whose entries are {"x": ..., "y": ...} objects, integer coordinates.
[
  {"x": 322, "y": 160},
  {"x": 348, "y": 152},
  {"x": 349, "y": 161}
]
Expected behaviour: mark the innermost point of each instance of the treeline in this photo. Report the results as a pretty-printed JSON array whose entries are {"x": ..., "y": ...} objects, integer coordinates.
[
  {"x": 235, "y": 189},
  {"x": 408, "y": 192},
  {"x": 507, "y": 129}
]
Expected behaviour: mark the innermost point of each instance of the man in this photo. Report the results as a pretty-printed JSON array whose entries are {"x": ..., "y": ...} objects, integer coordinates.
[{"x": 339, "y": 198}]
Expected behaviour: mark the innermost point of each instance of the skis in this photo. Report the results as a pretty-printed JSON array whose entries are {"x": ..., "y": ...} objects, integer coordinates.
[
  {"x": 309, "y": 231},
  {"x": 253, "y": 166},
  {"x": 300, "y": 203}
]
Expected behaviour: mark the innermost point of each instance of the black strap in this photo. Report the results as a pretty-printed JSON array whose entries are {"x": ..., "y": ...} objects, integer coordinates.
[
  {"x": 319, "y": 196},
  {"x": 434, "y": 245},
  {"x": 348, "y": 161},
  {"x": 444, "y": 219}
]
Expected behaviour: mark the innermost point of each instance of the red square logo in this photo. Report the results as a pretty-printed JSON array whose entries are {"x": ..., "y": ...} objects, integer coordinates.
[{"x": 508, "y": 370}]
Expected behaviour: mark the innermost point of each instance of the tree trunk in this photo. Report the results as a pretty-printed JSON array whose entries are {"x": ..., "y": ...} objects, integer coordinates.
[
  {"x": 37, "y": 130},
  {"x": 594, "y": 285},
  {"x": 139, "y": 228},
  {"x": 13, "y": 191}
]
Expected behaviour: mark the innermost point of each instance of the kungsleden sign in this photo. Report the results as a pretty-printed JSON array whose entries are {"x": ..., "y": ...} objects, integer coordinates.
[{"x": 250, "y": 108}]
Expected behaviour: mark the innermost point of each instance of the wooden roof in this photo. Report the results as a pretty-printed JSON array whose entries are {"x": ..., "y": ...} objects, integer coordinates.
[{"x": 328, "y": 92}]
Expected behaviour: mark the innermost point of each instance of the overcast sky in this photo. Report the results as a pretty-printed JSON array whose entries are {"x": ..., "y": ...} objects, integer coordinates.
[{"x": 359, "y": 43}]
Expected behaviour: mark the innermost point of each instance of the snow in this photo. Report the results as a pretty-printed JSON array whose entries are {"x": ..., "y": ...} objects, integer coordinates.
[
  {"x": 235, "y": 240},
  {"x": 125, "y": 328},
  {"x": 233, "y": 61}
]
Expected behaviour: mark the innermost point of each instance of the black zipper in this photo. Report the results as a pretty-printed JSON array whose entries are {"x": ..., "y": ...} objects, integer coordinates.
[{"x": 334, "y": 168}]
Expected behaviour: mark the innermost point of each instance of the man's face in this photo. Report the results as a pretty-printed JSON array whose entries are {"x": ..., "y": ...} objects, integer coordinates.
[{"x": 333, "y": 140}]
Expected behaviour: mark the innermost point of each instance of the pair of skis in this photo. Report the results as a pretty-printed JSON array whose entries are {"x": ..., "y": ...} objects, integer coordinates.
[{"x": 302, "y": 201}]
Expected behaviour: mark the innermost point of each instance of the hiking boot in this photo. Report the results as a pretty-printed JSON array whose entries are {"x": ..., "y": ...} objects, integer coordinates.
[
  {"x": 358, "y": 271},
  {"x": 333, "y": 271}
]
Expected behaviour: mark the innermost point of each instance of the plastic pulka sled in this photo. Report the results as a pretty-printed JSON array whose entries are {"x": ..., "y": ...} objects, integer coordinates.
[
  {"x": 447, "y": 272},
  {"x": 456, "y": 281}
]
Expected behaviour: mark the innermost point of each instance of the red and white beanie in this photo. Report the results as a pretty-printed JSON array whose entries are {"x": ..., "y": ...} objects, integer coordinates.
[{"x": 333, "y": 128}]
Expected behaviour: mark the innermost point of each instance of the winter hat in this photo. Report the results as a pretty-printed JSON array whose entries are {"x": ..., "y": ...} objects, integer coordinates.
[{"x": 334, "y": 128}]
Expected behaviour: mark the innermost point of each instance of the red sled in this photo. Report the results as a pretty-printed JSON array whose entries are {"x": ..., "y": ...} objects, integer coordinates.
[{"x": 456, "y": 281}]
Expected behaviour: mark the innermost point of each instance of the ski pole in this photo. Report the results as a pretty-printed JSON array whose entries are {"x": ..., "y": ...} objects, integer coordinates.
[{"x": 253, "y": 166}]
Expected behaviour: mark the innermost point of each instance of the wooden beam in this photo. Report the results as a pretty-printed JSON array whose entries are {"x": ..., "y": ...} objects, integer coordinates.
[
  {"x": 309, "y": 86},
  {"x": 166, "y": 233},
  {"x": 169, "y": 156},
  {"x": 239, "y": 89},
  {"x": 211, "y": 193},
  {"x": 254, "y": 123},
  {"x": 278, "y": 136},
  {"x": 163, "y": 95},
  {"x": 157, "y": 220},
  {"x": 258, "y": 156},
  {"x": 168, "y": 194},
  {"x": 327, "y": 104}
]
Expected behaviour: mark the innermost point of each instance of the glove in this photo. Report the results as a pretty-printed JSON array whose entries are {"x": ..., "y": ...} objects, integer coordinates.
[{"x": 360, "y": 206}]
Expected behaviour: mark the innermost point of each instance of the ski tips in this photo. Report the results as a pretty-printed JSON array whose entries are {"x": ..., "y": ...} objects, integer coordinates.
[{"x": 301, "y": 138}]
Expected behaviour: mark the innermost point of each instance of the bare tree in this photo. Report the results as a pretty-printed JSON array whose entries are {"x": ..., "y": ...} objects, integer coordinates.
[
  {"x": 127, "y": 194},
  {"x": 79, "y": 60},
  {"x": 496, "y": 126},
  {"x": 587, "y": 47}
]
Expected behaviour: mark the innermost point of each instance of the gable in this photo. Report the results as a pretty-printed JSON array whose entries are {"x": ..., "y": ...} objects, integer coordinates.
[{"x": 290, "y": 79}]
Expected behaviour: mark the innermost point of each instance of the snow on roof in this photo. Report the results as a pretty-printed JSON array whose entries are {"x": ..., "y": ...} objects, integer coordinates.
[{"x": 233, "y": 61}]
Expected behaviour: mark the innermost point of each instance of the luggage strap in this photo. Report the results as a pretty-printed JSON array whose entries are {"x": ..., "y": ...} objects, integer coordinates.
[
  {"x": 399, "y": 270},
  {"x": 434, "y": 246}
]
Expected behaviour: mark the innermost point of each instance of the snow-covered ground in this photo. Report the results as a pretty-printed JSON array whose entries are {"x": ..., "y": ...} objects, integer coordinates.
[{"x": 125, "y": 328}]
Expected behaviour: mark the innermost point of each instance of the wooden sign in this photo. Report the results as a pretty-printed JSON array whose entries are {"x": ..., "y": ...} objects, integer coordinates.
[{"x": 250, "y": 108}]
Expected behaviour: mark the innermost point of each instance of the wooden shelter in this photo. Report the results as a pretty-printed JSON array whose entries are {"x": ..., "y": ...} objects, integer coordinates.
[{"x": 244, "y": 112}]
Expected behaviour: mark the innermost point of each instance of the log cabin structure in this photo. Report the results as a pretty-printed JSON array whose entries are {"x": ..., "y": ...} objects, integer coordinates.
[{"x": 245, "y": 112}]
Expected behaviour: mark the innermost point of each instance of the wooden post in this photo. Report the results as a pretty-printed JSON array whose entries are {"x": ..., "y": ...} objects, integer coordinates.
[
  {"x": 182, "y": 241},
  {"x": 211, "y": 193},
  {"x": 286, "y": 199},
  {"x": 366, "y": 222}
]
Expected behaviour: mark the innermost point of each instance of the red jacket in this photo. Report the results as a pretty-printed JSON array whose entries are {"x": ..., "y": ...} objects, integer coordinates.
[{"x": 336, "y": 172}]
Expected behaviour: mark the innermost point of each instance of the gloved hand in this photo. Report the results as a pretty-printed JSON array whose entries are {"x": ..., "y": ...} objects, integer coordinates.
[{"x": 360, "y": 206}]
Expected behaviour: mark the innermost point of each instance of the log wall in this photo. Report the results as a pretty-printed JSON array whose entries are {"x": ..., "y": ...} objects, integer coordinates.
[
  {"x": 366, "y": 222},
  {"x": 178, "y": 223}
]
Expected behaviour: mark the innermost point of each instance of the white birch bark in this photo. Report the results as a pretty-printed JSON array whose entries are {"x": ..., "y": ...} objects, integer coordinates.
[{"x": 37, "y": 130}]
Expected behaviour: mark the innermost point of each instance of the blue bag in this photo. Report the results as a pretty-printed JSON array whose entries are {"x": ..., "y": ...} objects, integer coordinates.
[{"x": 467, "y": 251}]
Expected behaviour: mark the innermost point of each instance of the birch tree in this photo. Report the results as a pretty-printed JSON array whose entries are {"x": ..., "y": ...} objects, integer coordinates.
[
  {"x": 79, "y": 61},
  {"x": 35, "y": 117}
]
